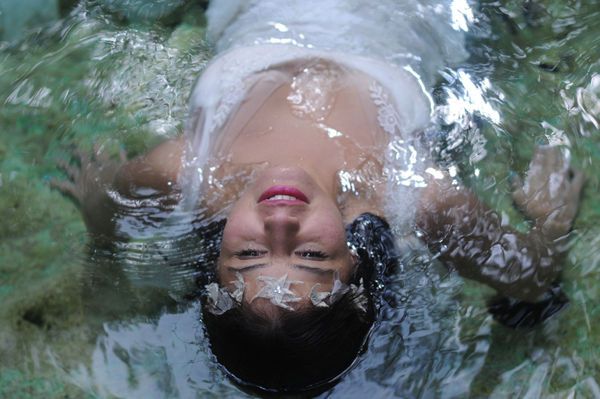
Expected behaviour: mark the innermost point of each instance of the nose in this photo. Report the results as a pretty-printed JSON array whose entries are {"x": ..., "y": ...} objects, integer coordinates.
[{"x": 281, "y": 229}]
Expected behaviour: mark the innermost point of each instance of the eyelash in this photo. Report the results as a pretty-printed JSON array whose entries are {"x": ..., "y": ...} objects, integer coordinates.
[
  {"x": 249, "y": 253},
  {"x": 254, "y": 253},
  {"x": 312, "y": 254}
]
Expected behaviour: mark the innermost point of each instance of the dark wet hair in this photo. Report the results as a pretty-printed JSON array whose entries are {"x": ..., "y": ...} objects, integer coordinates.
[
  {"x": 309, "y": 349},
  {"x": 295, "y": 352}
]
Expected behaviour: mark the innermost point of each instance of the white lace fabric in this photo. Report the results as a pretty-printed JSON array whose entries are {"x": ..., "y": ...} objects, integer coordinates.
[
  {"x": 254, "y": 37},
  {"x": 418, "y": 33}
]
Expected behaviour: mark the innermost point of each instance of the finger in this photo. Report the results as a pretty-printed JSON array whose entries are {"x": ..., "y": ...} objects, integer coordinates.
[
  {"x": 541, "y": 153},
  {"x": 71, "y": 171},
  {"x": 62, "y": 186},
  {"x": 67, "y": 188},
  {"x": 554, "y": 159},
  {"x": 122, "y": 155},
  {"x": 577, "y": 181},
  {"x": 572, "y": 197},
  {"x": 564, "y": 161},
  {"x": 515, "y": 182},
  {"x": 100, "y": 154},
  {"x": 518, "y": 193},
  {"x": 82, "y": 156},
  {"x": 538, "y": 164}
]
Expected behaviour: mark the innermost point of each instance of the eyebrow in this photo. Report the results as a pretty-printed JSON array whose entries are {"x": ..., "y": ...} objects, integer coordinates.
[
  {"x": 316, "y": 270},
  {"x": 311, "y": 269},
  {"x": 246, "y": 268}
]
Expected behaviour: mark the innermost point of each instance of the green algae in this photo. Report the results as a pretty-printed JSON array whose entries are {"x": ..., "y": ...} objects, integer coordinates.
[
  {"x": 14, "y": 384},
  {"x": 556, "y": 59},
  {"x": 49, "y": 88},
  {"x": 56, "y": 92}
]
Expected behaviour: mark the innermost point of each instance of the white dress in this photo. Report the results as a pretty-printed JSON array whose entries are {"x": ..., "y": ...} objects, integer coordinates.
[{"x": 399, "y": 44}]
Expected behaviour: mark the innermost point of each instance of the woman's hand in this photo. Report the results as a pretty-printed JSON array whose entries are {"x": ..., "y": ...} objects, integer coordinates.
[
  {"x": 472, "y": 239},
  {"x": 89, "y": 182},
  {"x": 108, "y": 191},
  {"x": 551, "y": 192}
]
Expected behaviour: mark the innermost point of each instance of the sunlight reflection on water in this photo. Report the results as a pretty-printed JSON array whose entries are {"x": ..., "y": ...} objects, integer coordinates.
[{"x": 534, "y": 76}]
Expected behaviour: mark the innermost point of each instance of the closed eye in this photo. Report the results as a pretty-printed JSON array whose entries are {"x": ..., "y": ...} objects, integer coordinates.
[
  {"x": 318, "y": 255},
  {"x": 249, "y": 253}
]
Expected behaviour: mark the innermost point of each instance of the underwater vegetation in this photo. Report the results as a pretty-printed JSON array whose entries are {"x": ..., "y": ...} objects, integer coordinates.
[{"x": 118, "y": 73}]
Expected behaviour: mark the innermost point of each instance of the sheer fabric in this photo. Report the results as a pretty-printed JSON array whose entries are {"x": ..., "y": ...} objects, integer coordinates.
[{"x": 399, "y": 45}]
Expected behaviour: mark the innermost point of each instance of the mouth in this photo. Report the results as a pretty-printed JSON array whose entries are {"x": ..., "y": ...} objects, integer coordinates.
[{"x": 283, "y": 195}]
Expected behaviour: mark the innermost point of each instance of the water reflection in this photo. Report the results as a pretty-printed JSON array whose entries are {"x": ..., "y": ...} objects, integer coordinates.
[
  {"x": 535, "y": 78},
  {"x": 416, "y": 349},
  {"x": 162, "y": 357}
]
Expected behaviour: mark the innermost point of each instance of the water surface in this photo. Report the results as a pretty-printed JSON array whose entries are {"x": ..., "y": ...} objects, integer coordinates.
[{"x": 79, "y": 321}]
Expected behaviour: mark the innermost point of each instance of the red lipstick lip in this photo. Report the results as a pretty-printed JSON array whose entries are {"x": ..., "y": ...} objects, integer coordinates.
[{"x": 299, "y": 196}]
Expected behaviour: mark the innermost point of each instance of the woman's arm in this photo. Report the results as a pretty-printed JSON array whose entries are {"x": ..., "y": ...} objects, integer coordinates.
[
  {"x": 106, "y": 190},
  {"x": 157, "y": 170},
  {"x": 472, "y": 239}
]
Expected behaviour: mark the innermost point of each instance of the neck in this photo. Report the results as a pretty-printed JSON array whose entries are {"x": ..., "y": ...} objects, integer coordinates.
[{"x": 268, "y": 130}]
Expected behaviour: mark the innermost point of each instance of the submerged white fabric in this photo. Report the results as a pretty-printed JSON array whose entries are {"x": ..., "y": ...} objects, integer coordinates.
[
  {"x": 400, "y": 45},
  {"x": 418, "y": 33}
]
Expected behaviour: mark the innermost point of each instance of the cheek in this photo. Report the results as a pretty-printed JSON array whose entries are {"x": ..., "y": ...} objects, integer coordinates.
[
  {"x": 239, "y": 223},
  {"x": 334, "y": 238},
  {"x": 332, "y": 229},
  {"x": 230, "y": 232},
  {"x": 223, "y": 276}
]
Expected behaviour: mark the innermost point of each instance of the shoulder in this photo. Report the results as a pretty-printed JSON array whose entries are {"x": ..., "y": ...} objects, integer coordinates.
[{"x": 158, "y": 169}]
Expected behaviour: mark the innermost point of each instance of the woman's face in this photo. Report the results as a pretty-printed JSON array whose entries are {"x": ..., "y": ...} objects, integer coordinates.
[{"x": 285, "y": 224}]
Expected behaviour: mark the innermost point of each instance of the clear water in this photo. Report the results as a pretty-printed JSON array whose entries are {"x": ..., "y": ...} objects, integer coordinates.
[{"x": 80, "y": 323}]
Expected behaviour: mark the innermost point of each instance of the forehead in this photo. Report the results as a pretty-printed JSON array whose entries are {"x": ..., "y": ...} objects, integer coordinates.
[
  {"x": 277, "y": 281},
  {"x": 308, "y": 273}
]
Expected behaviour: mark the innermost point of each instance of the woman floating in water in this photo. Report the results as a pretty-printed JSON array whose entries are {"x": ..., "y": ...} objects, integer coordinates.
[{"x": 304, "y": 163}]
